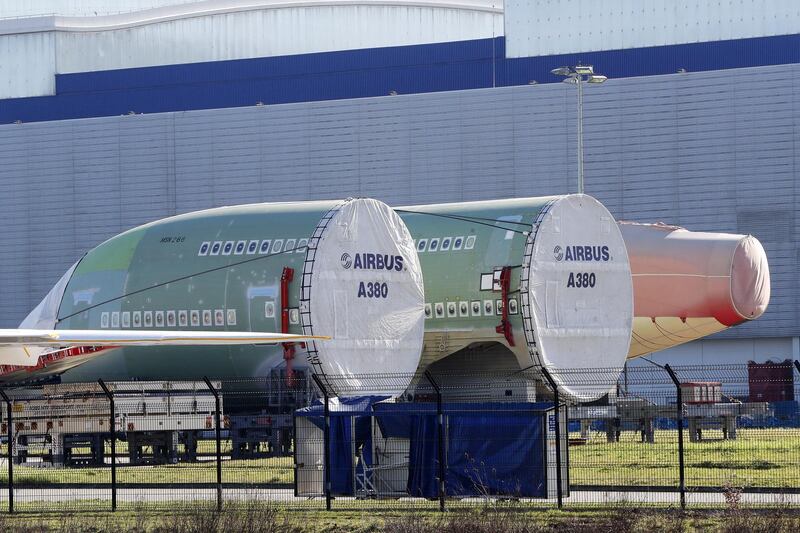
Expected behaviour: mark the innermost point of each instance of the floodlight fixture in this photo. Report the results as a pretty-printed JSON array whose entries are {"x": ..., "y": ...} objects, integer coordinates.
[{"x": 577, "y": 75}]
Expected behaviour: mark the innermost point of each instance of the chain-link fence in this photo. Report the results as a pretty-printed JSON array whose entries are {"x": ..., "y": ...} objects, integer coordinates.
[
  {"x": 697, "y": 436},
  {"x": 690, "y": 436}
]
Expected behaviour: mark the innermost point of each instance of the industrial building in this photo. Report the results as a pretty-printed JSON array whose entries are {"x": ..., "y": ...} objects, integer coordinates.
[{"x": 111, "y": 119}]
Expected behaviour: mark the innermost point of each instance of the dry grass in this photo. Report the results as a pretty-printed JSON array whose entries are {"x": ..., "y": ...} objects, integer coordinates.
[
  {"x": 620, "y": 520},
  {"x": 262, "y": 518},
  {"x": 252, "y": 517}
]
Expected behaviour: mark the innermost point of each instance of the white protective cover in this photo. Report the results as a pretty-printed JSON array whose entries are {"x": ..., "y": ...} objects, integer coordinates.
[
  {"x": 357, "y": 292},
  {"x": 579, "y": 311},
  {"x": 45, "y": 315}
]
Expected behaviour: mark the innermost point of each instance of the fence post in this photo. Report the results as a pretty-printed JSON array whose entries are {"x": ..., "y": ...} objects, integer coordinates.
[
  {"x": 681, "y": 469},
  {"x": 113, "y": 426},
  {"x": 554, "y": 387},
  {"x": 10, "y": 422},
  {"x": 218, "y": 439},
  {"x": 326, "y": 442},
  {"x": 439, "y": 439}
]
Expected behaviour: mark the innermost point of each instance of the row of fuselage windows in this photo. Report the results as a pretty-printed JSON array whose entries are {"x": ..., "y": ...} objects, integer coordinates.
[
  {"x": 267, "y": 246},
  {"x": 466, "y": 309},
  {"x": 181, "y": 318},
  {"x": 276, "y": 246},
  {"x": 221, "y": 317},
  {"x": 445, "y": 244}
]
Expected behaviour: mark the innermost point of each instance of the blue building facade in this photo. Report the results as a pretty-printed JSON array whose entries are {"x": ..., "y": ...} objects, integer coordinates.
[{"x": 423, "y": 68}]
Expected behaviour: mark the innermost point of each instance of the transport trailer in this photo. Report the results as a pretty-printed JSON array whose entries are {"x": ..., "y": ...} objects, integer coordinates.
[
  {"x": 69, "y": 424},
  {"x": 638, "y": 414},
  {"x": 260, "y": 424},
  {"x": 157, "y": 422}
]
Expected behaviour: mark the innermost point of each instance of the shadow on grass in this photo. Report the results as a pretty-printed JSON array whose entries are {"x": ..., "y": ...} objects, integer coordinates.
[{"x": 737, "y": 465}]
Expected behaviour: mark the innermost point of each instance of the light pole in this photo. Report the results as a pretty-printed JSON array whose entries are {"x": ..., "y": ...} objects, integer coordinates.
[{"x": 578, "y": 75}]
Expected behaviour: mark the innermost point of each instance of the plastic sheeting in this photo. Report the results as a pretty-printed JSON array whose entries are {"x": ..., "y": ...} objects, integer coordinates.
[
  {"x": 578, "y": 300},
  {"x": 693, "y": 274},
  {"x": 362, "y": 285},
  {"x": 750, "y": 283},
  {"x": 42, "y": 317},
  {"x": 690, "y": 284},
  {"x": 45, "y": 315},
  {"x": 491, "y": 448},
  {"x": 350, "y": 430}
]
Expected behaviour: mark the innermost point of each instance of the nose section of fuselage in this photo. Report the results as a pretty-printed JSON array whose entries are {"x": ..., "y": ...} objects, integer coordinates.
[
  {"x": 687, "y": 274},
  {"x": 750, "y": 283},
  {"x": 688, "y": 285}
]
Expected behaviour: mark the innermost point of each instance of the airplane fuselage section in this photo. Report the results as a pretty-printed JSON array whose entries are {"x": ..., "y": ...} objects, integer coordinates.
[{"x": 221, "y": 270}]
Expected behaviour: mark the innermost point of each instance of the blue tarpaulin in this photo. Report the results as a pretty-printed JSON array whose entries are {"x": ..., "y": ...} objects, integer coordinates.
[
  {"x": 344, "y": 436},
  {"x": 490, "y": 448}
]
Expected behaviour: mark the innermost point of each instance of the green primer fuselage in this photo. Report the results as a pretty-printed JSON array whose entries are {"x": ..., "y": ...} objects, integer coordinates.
[{"x": 220, "y": 269}]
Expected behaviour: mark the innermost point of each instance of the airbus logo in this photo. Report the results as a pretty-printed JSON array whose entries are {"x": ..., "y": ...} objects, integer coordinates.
[
  {"x": 582, "y": 253},
  {"x": 370, "y": 261}
]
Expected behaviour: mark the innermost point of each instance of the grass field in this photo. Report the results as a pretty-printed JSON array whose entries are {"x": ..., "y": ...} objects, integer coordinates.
[
  {"x": 263, "y": 519},
  {"x": 270, "y": 470},
  {"x": 265, "y": 470},
  {"x": 758, "y": 458}
]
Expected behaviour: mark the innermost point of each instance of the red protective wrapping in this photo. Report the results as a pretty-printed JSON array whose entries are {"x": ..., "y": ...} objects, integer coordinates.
[{"x": 684, "y": 274}]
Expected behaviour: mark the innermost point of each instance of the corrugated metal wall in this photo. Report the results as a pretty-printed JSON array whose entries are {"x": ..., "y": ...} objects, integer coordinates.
[
  {"x": 27, "y": 65},
  {"x": 711, "y": 151},
  {"x": 217, "y": 31},
  {"x": 79, "y": 8},
  {"x": 271, "y": 32},
  {"x": 546, "y": 27}
]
